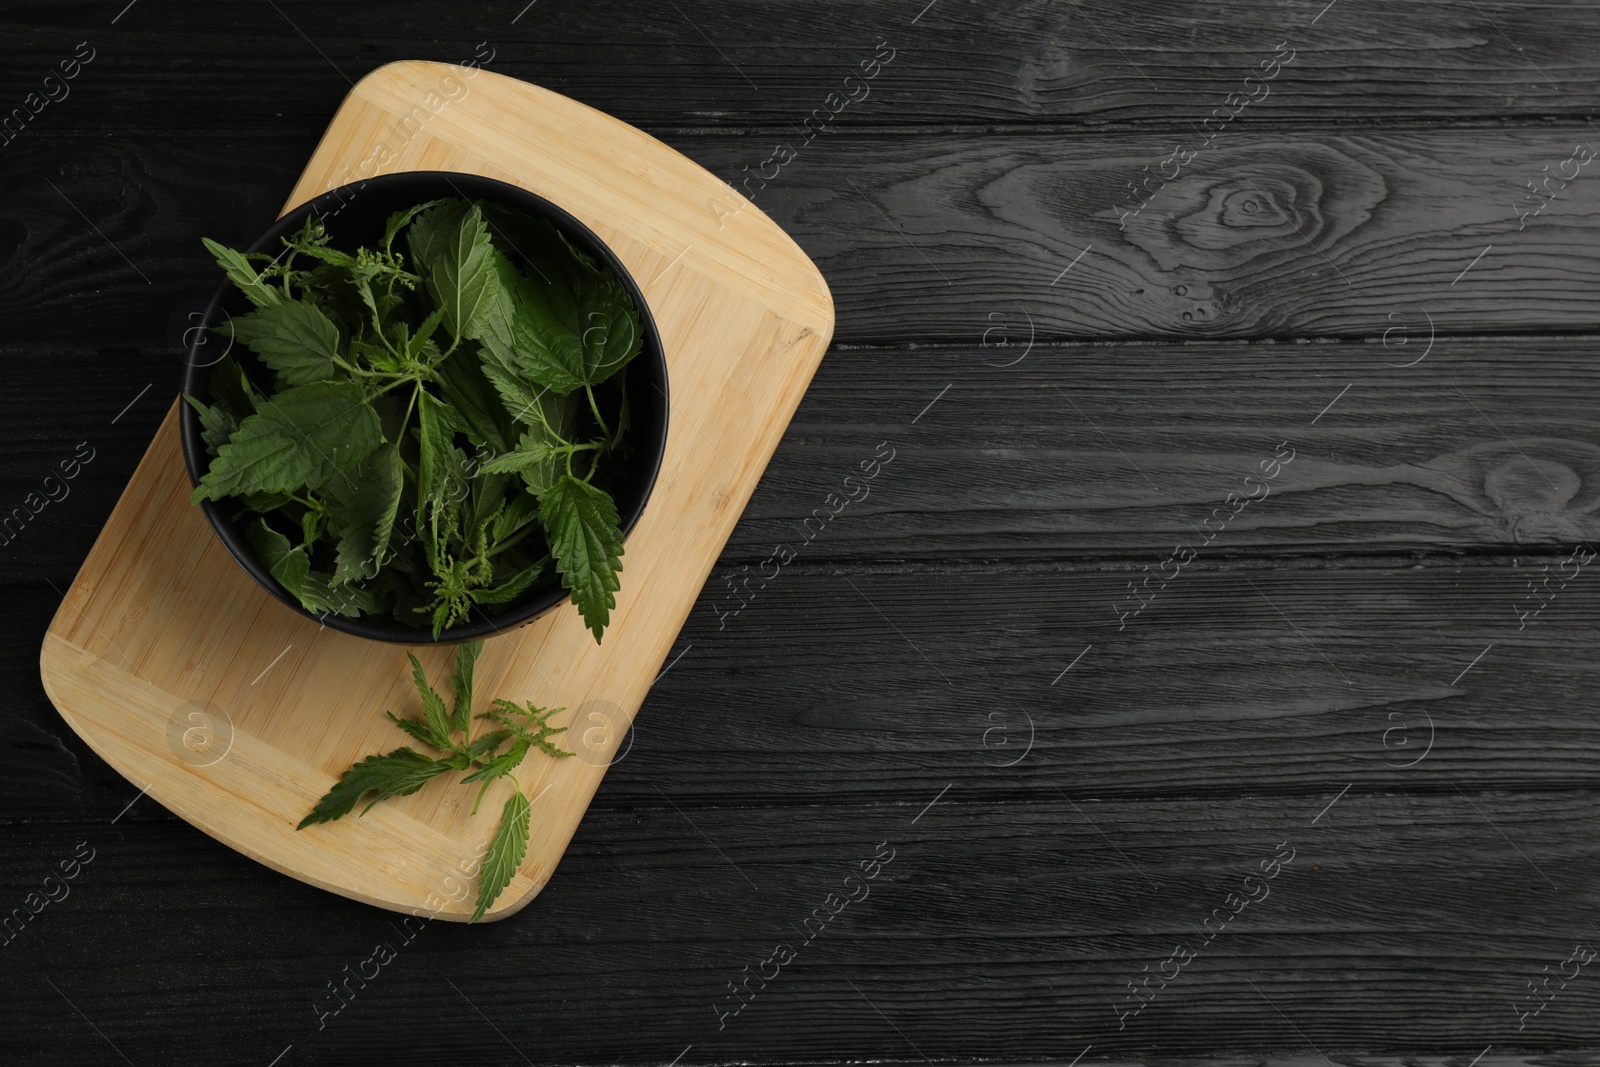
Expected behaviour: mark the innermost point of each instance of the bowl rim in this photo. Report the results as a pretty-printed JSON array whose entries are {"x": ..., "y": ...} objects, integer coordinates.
[{"x": 384, "y": 627}]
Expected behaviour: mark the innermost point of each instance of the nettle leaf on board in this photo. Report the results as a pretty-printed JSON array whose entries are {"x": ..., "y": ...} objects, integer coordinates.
[{"x": 404, "y": 770}]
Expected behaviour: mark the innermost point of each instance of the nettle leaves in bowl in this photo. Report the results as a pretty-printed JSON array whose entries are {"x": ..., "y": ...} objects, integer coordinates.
[{"x": 440, "y": 419}]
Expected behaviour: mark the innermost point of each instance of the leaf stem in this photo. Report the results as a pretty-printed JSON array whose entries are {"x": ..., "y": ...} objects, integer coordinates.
[
  {"x": 486, "y": 784},
  {"x": 405, "y": 420},
  {"x": 594, "y": 407},
  {"x": 369, "y": 373}
]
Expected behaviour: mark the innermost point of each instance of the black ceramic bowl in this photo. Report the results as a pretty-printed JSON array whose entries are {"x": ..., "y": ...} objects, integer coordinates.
[{"x": 354, "y": 215}]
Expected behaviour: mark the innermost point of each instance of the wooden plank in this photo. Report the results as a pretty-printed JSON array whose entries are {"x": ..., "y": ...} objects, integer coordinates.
[
  {"x": 1072, "y": 452},
  {"x": 1006, "y": 932},
  {"x": 1088, "y": 452},
  {"x": 1410, "y": 925},
  {"x": 924, "y": 239},
  {"x": 162, "y": 625},
  {"x": 1241, "y": 677},
  {"x": 727, "y": 64}
]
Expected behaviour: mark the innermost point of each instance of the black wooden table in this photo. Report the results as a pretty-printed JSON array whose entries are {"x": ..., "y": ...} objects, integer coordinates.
[{"x": 1209, "y": 673}]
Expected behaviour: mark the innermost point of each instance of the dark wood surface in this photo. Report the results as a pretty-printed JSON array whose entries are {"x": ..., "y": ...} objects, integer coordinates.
[{"x": 953, "y": 665}]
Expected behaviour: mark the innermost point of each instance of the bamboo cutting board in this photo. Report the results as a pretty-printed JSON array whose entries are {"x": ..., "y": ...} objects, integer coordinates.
[{"x": 237, "y": 714}]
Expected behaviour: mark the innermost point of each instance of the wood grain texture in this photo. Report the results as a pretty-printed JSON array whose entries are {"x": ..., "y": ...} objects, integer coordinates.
[
  {"x": 1247, "y": 677},
  {"x": 931, "y": 238},
  {"x": 1062, "y": 452},
  {"x": 1005, "y": 933},
  {"x": 731, "y": 65},
  {"x": 991, "y": 152},
  {"x": 1263, "y": 236},
  {"x": 162, "y": 633}
]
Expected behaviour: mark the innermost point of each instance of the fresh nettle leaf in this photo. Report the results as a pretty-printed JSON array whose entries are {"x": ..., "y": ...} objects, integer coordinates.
[
  {"x": 242, "y": 274},
  {"x": 438, "y": 720},
  {"x": 433, "y": 430},
  {"x": 489, "y": 742},
  {"x": 369, "y": 502},
  {"x": 216, "y": 425},
  {"x": 519, "y": 511},
  {"x": 574, "y": 323},
  {"x": 400, "y": 773},
  {"x": 461, "y": 684},
  {"x": 483, "y": 417},
  {"x": 404, "y": 771},
  {"x": 290, "y": 567},
  {"x": 401, "y": 219},
  {"x": 532, "y": 452},
  {"x": 231, "y": 391},
  {"x": 529, "y": 723},
  {"x": 586, "y": 540},
  {"x": 498, "y": 767},
  {"x": 612, "y": 333},
  {"x": 543, "y": 450},
  {"x": 512, "y": 587},
  {"x": 546, "y": 347},
  {"x": 302, "y": 437},
  {"x": 520, "y": 395},
  {"x": 437, "y": 476},
  {"x": 450, "y": 245},
  {"x": 294, "y": 338},
  {"x": 506, "y": 850}
]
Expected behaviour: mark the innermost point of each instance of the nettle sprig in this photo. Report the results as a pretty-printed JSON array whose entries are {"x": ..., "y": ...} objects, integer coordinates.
[{"x": 405, "y": 770}]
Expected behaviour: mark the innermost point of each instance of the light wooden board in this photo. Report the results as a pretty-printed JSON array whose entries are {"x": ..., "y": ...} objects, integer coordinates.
[{"x": 237, "y": 714}]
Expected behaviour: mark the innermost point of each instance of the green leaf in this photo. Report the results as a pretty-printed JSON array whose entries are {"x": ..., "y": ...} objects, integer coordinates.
[
  {"x": 397, "y": 774},
  {"x": 437, "y": 718},
  {"x": 520, "y": 395},
  {"x": 502, "y": 306},
  {"x": 482, "y": 414},
  {"x": 532, "y": 453},
  {"x": 585, "y": 537},
  {"x": 216, "y": 425},
  {"x": 502, "y": 764},
  {"x": 520, "y": 510},
  {"x": 265, "y": 502},
  {"x": 243, "y": 274},
  {"x": 523, "y": 722},
  {"x": 546, "y": 348},
  {"x": 375, "y": 356},
  {"x": 510, "y": 844},
  {"x": 231, "y": 391},
  {"x": 610, "y": 327},
  {"x": 450, "y": 245},
  {"x": 512, "y": 587},
  {"x": 362, "y": 283},
  {"x": 290, "y": 567},
  {"x": 420, "y": 730},
  {"x": 461, "y": 683},
  {"x": 489, "y": 742},
  {"x": 574, "y": 323},
  {"x": 367, "y": 505},
  {"x": 328, "y": 255},
  {"x": 304, "y": 436},
  {"x": 436, "y": 473},
  {"x": 400, "y": 219},
  {"x": 420, "y": 343},
  {"x": 294, "y": 338},
  {"x": 549, "y": 420},
  {"x": 546, "y": 257}
]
